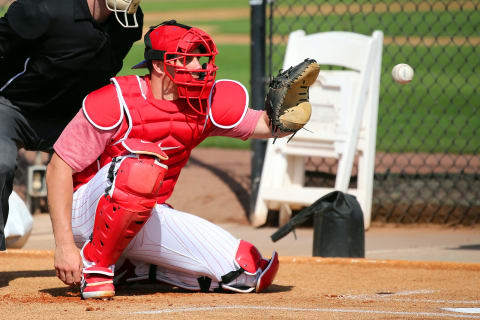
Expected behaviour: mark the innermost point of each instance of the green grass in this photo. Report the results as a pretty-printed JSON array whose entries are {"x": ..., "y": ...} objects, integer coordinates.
[
  {"x": 349, "y": 2},
  {"x": 437, "y": 112},
  {"x": 432, "y": 24},
  {"x": 178, "y": 5},
  {"x": 233, "y": 62},
  {"x": 429, "y": 115},
  {"x": 439, "y": 23},
  {"x": 436, "y": 23},
  {"x": 231, "y": 26},
  {"x": 225, "y": 143}
]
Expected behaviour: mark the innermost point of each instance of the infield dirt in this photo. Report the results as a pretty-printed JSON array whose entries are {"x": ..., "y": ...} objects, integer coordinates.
[
  {"x": 214, "y": 185},
  {"x": 305, "y": 288}
]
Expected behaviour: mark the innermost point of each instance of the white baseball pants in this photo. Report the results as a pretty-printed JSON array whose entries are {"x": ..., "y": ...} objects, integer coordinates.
[{"x": 183, "y": 246}]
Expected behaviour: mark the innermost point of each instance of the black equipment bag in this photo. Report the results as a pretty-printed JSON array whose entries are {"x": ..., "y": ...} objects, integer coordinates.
[{"x": 338, "y": 226}]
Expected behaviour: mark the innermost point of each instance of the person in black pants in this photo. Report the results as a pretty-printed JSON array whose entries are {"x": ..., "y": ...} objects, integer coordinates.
[{"x": 52, "y": 54}]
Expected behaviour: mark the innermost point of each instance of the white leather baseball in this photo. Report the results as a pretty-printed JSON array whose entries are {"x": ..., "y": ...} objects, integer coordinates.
[{"x": 402, "y": 73}]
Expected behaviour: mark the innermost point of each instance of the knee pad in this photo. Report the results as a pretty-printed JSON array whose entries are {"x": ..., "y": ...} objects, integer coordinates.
[
  {"x": 125, "y": 208},
  {"x": 137, "y": 181},
  {"x": 251, "y": 263}
]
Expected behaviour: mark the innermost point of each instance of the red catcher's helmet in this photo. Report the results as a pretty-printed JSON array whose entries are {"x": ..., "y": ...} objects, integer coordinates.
[{"x": 171, "y": 42}]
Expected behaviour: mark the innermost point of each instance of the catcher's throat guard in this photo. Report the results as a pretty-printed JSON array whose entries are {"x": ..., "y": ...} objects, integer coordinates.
[
  {"x": 287, "y": 102},
  {"x": 123, "y": 8}
]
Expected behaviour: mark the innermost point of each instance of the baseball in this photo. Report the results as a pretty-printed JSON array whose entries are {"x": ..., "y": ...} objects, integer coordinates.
[{"x": 402, "y": 73}]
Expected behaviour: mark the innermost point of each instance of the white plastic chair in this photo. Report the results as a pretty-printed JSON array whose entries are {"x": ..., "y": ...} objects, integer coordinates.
[{"x": 343, "y": 124}]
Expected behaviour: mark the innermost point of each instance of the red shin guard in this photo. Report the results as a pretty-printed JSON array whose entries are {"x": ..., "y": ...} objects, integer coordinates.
[{"x": 124, "y": 210}]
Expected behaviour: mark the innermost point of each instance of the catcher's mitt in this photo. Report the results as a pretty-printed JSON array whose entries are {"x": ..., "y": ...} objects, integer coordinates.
[{"x": 287, "y": 104}]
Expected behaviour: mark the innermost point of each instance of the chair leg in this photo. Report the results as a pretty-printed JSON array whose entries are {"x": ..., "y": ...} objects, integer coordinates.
[
  {"x": 364, "y": 187},
  {"x": 284, "y": 214},
  {"x": 259, "y": 216}
]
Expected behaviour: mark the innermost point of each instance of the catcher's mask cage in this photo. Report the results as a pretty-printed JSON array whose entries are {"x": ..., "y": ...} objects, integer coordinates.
[
  {"x": 194, "y": 85},
  {"x": 122, "y": 8}
]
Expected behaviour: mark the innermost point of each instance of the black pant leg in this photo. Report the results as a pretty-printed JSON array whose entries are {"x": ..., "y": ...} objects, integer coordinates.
[
  {"x": 8, "y": 157},
  {"x": 14, "y": 133},
  {"x": 35, "y": 133}
]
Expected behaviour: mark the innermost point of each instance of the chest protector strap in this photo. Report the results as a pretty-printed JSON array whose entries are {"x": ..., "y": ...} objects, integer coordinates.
[{"x": 138, "y": 146}]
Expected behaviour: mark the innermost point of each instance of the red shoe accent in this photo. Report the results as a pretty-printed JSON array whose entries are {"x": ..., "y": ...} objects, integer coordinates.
[
  {"x": 248, "y": 257},
  {"x": 97, "y": 282},
  {"x": 264, "y": 264},
  {"x": 268, "y": 274}
]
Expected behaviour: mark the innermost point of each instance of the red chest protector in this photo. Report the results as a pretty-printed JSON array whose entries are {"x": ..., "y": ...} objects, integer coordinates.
[{"x": 128, "y": 103}]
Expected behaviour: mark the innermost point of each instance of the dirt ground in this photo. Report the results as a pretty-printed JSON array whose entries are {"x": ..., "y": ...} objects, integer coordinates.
[
  {"x": 305, "y": 288},
  {"x": 215, "y": 186}
]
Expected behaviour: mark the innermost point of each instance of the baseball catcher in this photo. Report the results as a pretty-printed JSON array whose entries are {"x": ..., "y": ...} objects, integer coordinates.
[
  {"x": 123, "y": 153},
  {"x": 287, "y": 104}
]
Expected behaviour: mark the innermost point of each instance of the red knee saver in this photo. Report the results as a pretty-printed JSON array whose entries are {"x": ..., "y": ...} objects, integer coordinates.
[{"x": 249, "y": 258}]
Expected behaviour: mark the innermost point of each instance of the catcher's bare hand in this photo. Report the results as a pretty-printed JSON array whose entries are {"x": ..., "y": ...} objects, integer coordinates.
[
  {"x": 287, "y": 104},
  {"x": 68, "y": 264}
]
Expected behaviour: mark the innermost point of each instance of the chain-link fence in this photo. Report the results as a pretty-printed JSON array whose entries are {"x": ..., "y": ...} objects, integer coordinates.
[{"x": 427, "y": 166}]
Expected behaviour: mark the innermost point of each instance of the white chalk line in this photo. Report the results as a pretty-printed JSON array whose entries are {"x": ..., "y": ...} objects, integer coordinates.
[
  {"x": 391, "y": 297},
  {"x": 372, "y": 297},
  {"x": 328, "y": 310},
  {"x": 406, "y": 249},
  {"x": 463, "y": 310},
  {"x": 407, "y": 293}
]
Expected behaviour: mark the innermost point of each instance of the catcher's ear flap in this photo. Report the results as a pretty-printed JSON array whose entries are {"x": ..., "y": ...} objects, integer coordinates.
[{"x": 158, "y": 66}]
